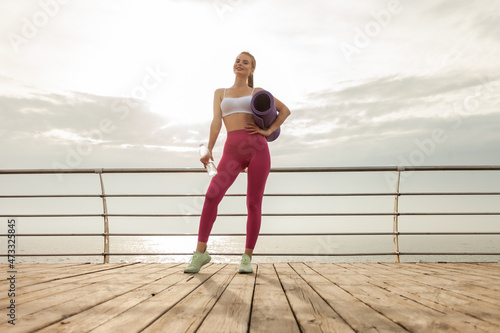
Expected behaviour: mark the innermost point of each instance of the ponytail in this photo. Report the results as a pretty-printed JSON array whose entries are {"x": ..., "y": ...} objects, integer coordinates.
[
  {"x": 250, "y": 81},
  {"x": 250, "y": 77}
]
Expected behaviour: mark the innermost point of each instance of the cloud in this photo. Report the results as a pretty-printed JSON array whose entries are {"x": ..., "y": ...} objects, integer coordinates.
[
  {"x": 48, "y": 127},
  {"x": 486, "y": 24},
  {"x": 399, "y": 87},
  {"x": 386, "y": 118}
]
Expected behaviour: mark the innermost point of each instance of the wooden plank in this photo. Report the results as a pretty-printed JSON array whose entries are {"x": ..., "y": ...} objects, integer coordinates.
[
  {"x": 68, "y": 273},
  {"x": 40, "y": 273},
  {"x": 138, "y": 317},
  {"x": 231, "y": 313},
  {"x": 357, "y": 314},
  {"x": 487, "y": 268},
  {"x": 271, "y": 312},
  {"x": 101, "y": 313},
  {"x": 312, "y": 312},
  {"x": 475, "y": 311},
  {"x": 444, "y": 271},
  {"x": 447, "y": 270},
  {"x": 188, "y": 314},
  {"x": 464, "y": 275},
  {"x": 55, "y": 286},
  {"x": 487, "y": 279},
  {"x": 487, "y": 265},
  {"x": 409, "y": 313},
  {"x": 463, "y": 287},
  {"x": 451, "y": 282},
  {"x": 447, "y": 301},
  {"x": 46, "y": 268},
  {"x": 469, "y": 268},
  {"x": 51, "y": 286},
  {"x": 61, "y": 271},
  {"x": 42, "y": 312}
]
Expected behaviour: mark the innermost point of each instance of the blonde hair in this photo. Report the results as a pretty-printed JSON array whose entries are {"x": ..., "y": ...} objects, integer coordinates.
[{"x": 250, "y": 77}]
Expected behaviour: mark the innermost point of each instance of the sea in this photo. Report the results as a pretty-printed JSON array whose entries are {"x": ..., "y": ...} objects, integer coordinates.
[{"x": 332, "y": 249}]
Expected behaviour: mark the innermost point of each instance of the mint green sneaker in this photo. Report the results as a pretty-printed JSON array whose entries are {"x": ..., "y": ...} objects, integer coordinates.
[
  {"x": 199, "y": 259},
  {"x": 246, "y": 265}
]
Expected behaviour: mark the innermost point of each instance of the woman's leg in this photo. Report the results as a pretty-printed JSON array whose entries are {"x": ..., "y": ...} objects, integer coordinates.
[
  {"x": 258, "y": 171},
  {"x": 228, "y": 169},
  {"x": 201, "y": 247}
]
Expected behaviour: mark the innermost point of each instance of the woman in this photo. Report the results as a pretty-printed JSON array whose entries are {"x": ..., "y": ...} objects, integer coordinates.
[{"x": 245, "y": 147}]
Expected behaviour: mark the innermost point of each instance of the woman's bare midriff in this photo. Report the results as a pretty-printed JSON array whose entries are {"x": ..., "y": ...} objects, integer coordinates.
[{"x": 237, "y": 121}]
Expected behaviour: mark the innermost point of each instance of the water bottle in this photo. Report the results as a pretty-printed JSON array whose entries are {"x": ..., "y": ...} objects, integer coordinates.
[{"x": 211, "y": 169}]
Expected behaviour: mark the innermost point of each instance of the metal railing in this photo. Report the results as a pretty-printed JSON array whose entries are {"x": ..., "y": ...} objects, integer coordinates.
[{"x": 395, "y": 214}]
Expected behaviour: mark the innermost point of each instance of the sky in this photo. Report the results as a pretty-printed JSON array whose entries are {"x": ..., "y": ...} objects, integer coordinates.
[{"x": 127, "y": 84}]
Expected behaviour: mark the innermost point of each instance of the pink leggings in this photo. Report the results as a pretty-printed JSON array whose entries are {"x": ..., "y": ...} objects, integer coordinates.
[{"x": 241, "y": 150}]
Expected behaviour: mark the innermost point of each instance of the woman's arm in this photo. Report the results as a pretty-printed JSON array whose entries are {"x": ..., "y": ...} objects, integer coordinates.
[
  {"x": 215, "y": 127},
  {"x": 283, "y": 113}
]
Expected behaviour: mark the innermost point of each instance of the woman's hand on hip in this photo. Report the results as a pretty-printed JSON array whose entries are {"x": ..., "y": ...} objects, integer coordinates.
[{"x": 254, "y": 129}]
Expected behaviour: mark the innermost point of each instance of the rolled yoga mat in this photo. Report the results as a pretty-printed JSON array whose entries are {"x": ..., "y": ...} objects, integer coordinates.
[{"x": 264, "y": 112}]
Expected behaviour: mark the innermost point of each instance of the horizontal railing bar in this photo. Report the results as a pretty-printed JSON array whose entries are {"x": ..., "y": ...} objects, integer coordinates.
[
  {"x": 446, "y": 193},
  {"x": 444, "y": 233},
  {"x": 273, "y": 170},
  {"x": 185, "y": 195},
  {"x": 53, "y": 255},
  {"x": 190, "y": 254},
  {"x": 449, "y": 253},
  {"x": 473, "y": 233},
  {"x": 244, "y": 195},
  {"x": 22, "y": 196},
  {"x": 388, "y": 168},
  {"x": 449, "y": 214},
  {"x": 264, "y": 214},
  {"x": 110, "y": 170},
  {"x": 258, "y": 254},
  {"x": 53, "y": 215}
]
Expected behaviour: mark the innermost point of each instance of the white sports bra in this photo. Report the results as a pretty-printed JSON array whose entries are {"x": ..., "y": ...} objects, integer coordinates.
[{"x": 230, "y": 105}]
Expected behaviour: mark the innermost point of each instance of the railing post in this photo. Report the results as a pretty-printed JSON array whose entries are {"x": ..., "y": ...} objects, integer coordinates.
[
  {"x": 105, "y": 211},
  {"x": 395, "y": 225}
]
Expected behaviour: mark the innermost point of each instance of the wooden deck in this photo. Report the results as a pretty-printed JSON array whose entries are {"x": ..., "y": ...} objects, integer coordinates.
[{"x": 294, "y": 297}]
